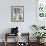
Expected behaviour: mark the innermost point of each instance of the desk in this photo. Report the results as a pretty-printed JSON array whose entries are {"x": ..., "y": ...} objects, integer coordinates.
[
  {"x": 8, "y": 34},
  {"x": 17, "y": 43}
]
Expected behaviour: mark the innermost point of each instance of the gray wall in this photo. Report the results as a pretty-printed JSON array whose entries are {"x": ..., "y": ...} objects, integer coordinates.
[{"x": 29, "y": 15}]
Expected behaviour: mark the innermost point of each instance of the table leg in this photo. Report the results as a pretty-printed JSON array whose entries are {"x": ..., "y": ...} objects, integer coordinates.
[{"x": 5, "y": 40}]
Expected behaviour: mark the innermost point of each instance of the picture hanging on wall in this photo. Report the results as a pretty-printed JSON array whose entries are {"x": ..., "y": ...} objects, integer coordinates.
[
  {"x": 17, "y": 13},
  {"x": 41, "y": 8},
  {"x": 41, "y": 12}
]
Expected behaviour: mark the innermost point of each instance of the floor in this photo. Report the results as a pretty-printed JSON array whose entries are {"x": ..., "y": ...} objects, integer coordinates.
[{"x": 13, "y": 44}]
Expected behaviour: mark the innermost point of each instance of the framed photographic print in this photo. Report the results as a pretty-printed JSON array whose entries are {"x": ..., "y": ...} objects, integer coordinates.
[
  {"x": 41, "y": 12},
  {"x": 17, "y": 13},
  {"x": 41, "y": 8}
]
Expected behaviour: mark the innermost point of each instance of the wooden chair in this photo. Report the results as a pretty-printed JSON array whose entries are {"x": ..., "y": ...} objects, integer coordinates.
[
  {"x": 27, "y": 37},
  {"x": 8, "y": 34}
]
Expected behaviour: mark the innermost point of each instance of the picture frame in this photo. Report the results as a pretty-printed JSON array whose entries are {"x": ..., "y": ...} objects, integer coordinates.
[
  {"x": 17, "y": 13},
  {"x": 41, "y": 12}
]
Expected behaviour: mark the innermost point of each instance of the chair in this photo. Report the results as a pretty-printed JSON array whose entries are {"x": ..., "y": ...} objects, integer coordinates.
[
  {"x": 7, "y": 35},
  {"x": 14, "y": 32},
  {"x": 25, "y": 36}
]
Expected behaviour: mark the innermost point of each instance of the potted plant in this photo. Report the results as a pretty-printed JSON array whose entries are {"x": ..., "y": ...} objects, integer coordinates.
[
  {"x": 35, "y": 26},
  {"x": 38, "y": 27},
  {"x": 39, "y": 35},
  {"x": 42, "y": 27}
]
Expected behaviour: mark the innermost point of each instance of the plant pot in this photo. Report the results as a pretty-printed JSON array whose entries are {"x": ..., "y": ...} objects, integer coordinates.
[{"x": 40, "y": 41}]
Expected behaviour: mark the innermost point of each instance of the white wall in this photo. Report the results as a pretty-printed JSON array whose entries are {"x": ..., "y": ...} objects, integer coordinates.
[{"x": 29, "y": 15}]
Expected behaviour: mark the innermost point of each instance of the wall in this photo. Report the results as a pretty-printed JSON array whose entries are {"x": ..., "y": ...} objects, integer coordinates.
[{"x": 29, "y": 15}]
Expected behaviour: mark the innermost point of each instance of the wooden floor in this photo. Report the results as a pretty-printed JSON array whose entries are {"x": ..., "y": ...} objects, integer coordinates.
[{"x": 13, "y": 44}]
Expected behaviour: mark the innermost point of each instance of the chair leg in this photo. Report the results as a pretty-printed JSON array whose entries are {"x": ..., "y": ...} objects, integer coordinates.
[
  {"x": 5, "y": 43},
  {"x": 5, "y": 40}
]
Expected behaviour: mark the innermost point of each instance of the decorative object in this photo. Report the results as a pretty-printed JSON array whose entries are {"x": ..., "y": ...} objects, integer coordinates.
[
  {"x": 42, "y": 27},
  {"x": 39, "y": 35},
  {"x": 41, "y": 12},
  {"x": 35, "y": 26},
  {"x": 17, "y": 13},
  {"x": 41, "y": 8},
  {"x": 38, "y": 27},
  {"x": 14, "y": 30}
]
